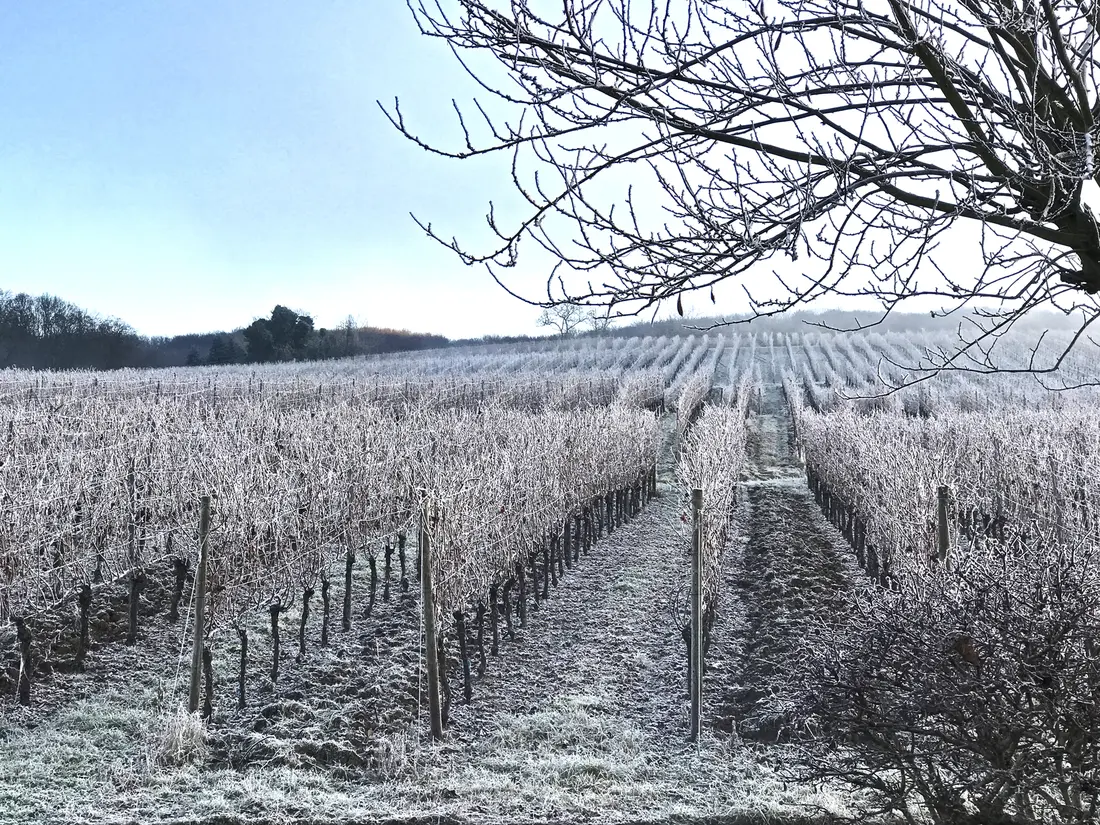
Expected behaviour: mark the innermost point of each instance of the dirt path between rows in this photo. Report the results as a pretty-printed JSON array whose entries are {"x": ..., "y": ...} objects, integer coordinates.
[
  {"x": 586, "y": 714},
  {"x": 789, "y": 567},
  {"x": 587, "y": 709}
]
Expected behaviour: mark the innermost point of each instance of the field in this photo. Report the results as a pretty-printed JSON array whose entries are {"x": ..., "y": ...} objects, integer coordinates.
[{"x": 550, "y": 485}]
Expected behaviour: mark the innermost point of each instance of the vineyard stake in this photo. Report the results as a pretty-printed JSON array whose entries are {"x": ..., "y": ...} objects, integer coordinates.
[
  {"x": 431, "y": 651},
  {"x": 696, "y": 611},
  {"x": 200, "y": 605}
]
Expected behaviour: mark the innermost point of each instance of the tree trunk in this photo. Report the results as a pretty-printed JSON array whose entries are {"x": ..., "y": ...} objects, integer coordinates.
[
  {"x": 208, "y": 672},
  {"x": 349, "y": 560},
  {"x": 494, "y": 618},
  {"x": 180, "y": 568},
  {"x": 136, "y": 582},
  {"x": 464, "y": 654},
  {"x": 401, "y": 558},
  {"x": 373, "y": 583},
  {"x": 444, "y": 678},
  {"x": 872, "y": 561},
  {"x": 481, "y": 638},
  {"x": 242, "y": 634},
  {"x": 578, "y": 536},
  {"x": 85, "y": 602},
  {"x": 324, "y": 611},
  {"x": 521, "y": 578},
  {"x": 533, "y": 560},
  {"x": 508, "y": 585},
  {"x": 307, "y": 594},
  {"x": 567, "y": 542},
  {"x": 386, "y": 572},
  {"x": 275, "y": 609},
  {"x": 23, "y": 633},
  {"x": 555, "y": 560}
]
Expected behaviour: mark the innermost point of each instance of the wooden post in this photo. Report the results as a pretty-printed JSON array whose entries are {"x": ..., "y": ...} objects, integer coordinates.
[
  {"x": 200, "y": 606},
  {"x": 943, "y": 534},
  {"x": 696, "y": 612},
  {"x": 431, "y": 651}
]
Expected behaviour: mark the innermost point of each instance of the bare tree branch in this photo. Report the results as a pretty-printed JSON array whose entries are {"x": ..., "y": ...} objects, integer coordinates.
[{"x": 840, "y": 145}]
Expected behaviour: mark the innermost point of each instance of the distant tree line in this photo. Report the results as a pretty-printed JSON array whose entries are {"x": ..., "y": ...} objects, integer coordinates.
[
  {"x": 46, "y": 332},
  {"x": 291, "y": 336}
]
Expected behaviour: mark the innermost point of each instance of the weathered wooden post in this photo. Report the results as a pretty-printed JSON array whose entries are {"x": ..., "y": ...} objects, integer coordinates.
[
  {"x": 431, "y": 651},
  {"x": 200, "y": 606},
  {"x": 943, "y": 534},
  {"x": 696, "y": 612}
]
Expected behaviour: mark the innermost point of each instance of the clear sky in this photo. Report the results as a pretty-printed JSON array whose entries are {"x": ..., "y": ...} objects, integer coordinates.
[{"x": 185, "y": 166}]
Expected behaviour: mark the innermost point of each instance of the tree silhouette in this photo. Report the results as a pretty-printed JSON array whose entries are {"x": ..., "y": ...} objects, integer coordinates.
[{"x": 282, "y": 337}]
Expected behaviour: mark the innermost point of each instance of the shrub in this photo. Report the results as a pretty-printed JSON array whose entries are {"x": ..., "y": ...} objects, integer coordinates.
[{"x": 965, "y": 696}]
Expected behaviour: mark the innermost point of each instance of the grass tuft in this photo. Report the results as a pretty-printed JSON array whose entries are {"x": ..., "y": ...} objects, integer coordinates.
[{"x": 176, "y": 738}]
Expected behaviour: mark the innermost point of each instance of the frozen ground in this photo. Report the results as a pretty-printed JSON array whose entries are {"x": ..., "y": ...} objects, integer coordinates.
[{"x": 581, "y": 718}]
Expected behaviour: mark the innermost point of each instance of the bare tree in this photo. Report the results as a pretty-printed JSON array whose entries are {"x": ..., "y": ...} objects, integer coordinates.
[
  {"x": 564, "y": 317},
  {"x": 350, "y": 333},
  {"x": 599, "y": 322},
  {"x": 836, "y": 143}
]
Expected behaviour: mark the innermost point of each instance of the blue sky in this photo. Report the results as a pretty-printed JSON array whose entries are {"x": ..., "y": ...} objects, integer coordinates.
[{"x": 186, "y": 165}]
